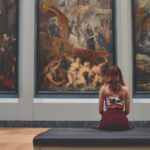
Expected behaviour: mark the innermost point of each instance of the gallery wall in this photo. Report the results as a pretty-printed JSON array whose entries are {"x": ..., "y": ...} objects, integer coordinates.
[{"x": 26, "y": 107}]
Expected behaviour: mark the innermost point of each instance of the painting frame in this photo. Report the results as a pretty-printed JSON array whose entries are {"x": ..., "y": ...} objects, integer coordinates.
[
  {"x": 138, "y": 54},
  {"x": 47, "y": 94},
  {"x": 12, "y": 80}
]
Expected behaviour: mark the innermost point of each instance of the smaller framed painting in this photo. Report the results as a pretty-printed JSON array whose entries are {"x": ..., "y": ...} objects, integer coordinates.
[
  {"x": 9, "y": 10},
  {"x": 141, "y": 47}
]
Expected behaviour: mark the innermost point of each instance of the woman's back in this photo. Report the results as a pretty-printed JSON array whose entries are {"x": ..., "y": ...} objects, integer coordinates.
[{"x": 114, "y": 99}]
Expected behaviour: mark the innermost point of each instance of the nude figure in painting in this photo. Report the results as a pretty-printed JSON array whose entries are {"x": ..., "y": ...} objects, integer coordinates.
[{"x": 95, "y": 73}]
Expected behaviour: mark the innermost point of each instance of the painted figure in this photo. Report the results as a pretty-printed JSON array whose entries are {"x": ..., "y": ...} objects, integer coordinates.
[
  {"x": 50, "y": 72},
  {"x": 96, "y": 73},
  {"x": 82, "y": 75},
  {"x": 90, "y": 37},
  {"x": 75, "y": 64},
  {"x": 54, "y": 30}
]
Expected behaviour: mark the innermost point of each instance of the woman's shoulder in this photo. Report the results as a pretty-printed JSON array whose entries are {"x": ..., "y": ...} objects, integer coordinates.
[
  {"x": 102, "y": 89},
  {"x": 125, "y": 89}
]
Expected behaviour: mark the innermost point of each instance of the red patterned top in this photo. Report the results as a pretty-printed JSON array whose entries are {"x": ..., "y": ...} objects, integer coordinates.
[{"x": 114, "y": 101}]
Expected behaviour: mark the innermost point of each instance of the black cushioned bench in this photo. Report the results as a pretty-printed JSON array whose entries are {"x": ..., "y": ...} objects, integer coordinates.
[{"x": 91, "y": 137}]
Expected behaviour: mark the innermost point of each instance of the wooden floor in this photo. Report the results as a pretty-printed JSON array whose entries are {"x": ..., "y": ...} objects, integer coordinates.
[{"x": 18, "y": 138}]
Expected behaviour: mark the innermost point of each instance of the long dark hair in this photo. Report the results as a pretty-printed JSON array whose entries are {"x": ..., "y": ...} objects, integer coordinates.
[{"x": 114, "y": 78}]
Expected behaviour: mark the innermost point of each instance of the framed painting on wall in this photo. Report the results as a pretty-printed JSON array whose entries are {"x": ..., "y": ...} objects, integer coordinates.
[
  {"x": 141, "y": 46},
  {"x": 9, "y": 47},
  {"x": 75, "y": 45}
]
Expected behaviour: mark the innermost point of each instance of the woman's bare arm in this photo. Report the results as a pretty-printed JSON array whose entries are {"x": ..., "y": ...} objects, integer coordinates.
[
  {"x": 101, "y": 100},
  {"x": 127, "y": 101}
]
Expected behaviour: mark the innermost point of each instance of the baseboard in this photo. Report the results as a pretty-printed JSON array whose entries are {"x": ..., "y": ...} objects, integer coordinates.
[{"x": 72, "y": 124}]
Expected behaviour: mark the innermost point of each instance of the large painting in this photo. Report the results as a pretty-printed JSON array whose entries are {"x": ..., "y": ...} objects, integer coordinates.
[
  {"x": 75, "y": 45},
  {"x": 8, "y": 46},
  {"x": 141, "y": 36}
]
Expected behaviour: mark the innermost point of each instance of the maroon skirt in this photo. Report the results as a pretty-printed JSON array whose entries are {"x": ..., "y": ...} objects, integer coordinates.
[{"x": 113, "y": 119}]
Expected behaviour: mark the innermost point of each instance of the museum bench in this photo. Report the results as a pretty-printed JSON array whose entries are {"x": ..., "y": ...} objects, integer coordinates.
[{"x": 84, "y": 138}]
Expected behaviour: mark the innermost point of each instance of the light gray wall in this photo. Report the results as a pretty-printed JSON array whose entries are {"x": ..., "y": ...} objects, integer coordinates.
[{"x": 27, "y": 108}]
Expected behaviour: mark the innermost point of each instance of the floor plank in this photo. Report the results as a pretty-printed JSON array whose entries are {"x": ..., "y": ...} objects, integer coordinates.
[{"x": 18, "y": 138}]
